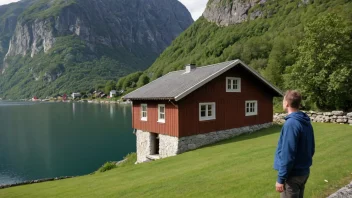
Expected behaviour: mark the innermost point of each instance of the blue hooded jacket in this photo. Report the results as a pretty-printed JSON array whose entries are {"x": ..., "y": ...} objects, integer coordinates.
[{"x": 296, "y": 147}]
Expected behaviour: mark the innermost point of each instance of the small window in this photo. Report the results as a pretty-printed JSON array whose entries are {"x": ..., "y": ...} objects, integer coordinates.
[
  {"x": 161, "y": 113},
  {"x": 251, "y": 108},
  {"x": 206, "y": 111},
  {"x": 144, "y": 112},
  {"x": 233, "y": 84}
]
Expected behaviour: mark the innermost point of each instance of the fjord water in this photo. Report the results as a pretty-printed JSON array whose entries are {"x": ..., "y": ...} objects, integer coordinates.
[{"x": 46, "y": 140}]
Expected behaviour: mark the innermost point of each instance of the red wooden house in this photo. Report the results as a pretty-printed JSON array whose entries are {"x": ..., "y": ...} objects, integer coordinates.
[{"x": 186, "y": 109}]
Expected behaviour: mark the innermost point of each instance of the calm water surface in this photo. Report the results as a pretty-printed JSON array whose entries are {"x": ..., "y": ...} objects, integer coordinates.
[{"x": 45, "y": 140}]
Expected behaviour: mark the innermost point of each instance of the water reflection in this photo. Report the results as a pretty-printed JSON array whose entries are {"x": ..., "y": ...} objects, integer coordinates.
[
  {"x": 61, "y": 139},
  {"x": 112, "y": 108},
  {"x": 74, "y": 108}
]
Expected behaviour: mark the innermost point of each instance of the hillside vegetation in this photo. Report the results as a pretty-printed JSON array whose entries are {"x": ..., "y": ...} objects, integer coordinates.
[
  {"x": 49, "y": 48},
  {"x": 240, "y": 167},
  {"x": 287, "y": 33}
]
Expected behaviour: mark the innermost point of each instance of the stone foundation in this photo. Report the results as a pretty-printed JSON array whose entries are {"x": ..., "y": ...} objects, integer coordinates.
[
  {"x": 171, "y": 146},
  {"x": 144, "y": 147}
]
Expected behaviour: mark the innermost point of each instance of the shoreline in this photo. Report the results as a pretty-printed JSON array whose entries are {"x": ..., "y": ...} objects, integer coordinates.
[
  {"x": 36, "y": 181},
  {"x": 74, "y": 101}
]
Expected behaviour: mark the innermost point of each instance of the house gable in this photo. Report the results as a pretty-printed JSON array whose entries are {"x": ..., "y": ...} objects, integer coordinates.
[
  {"x": 230, "y": 106},
  {"x": 178, "y": 84}
]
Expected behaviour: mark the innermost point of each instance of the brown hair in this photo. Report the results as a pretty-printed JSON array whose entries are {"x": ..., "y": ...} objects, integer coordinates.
[{"x": 293, "y": 98}]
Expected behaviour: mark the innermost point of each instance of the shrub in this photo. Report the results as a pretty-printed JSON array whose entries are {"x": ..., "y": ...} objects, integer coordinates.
[{"x": 107, "y": 166}]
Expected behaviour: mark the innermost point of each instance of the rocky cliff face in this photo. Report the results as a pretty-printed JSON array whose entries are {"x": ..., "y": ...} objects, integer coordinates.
[
  {"x": 132, "y": 32},
  {"x": 8, "y": 20},
  {"x": 229, "y": 12},
  {"x": 226, "y": 13},
  {"x": 128, "y": 24}
]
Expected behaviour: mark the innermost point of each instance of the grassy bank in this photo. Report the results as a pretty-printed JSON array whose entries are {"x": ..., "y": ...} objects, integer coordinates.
[{"x": 241, "y": 167}]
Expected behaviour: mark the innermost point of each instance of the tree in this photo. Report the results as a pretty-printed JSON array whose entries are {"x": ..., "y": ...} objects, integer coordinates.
[
  {"x": 110, "y": 85},
  {"x": 323, "y": 70},
  {"x": 143, "y": 80}
]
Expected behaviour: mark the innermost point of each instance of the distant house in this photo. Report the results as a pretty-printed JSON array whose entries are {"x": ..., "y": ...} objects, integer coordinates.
[
  {"x": 112, "y": 93},
  {"x": 76, "y": 95},
  {"x": 186, "y": 109},
  {"x": 35, "y": 98},
  {"x": 97, "y": 94}
]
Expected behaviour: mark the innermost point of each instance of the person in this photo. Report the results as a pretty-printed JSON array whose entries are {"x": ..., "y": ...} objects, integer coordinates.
[{"x": 295, "y": 149}]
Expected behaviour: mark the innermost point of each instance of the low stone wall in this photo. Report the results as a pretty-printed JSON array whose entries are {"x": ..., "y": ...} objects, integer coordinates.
[
  {"x": 343, "y": 192},
  {"x": 338, "y": 117},
  {"x": 171, "y": 146}
]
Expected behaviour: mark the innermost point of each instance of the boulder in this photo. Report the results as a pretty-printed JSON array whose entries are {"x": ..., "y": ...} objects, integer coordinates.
[
  {"x": 338, "y": 113},
  {"x": 349, "y": 115},
  {"x": 327, "y": 114},
  {"x": 341, "y": 120}
]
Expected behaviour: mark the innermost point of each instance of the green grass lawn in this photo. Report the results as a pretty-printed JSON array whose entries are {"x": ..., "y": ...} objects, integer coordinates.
[{"x": 240, "y": 167}]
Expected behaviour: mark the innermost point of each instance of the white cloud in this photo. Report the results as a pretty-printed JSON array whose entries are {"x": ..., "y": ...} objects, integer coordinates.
[
  {"x": 196, "y": 7},
  {"x": 2, "y": 2}
]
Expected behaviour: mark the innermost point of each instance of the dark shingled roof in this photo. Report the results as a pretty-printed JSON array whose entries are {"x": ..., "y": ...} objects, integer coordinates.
[{"x": 178, "y": 84}]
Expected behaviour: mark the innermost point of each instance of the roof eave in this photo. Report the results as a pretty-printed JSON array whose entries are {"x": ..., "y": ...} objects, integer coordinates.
[{"x": 154, "y": 98}]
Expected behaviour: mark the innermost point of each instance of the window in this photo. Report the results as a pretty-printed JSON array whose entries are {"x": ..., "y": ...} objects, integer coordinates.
[
  {"x": 161, "y": 113},
  {"x": 206, "y": 111},
  {"x": 233, "y": 84},
  {"x": 251, "y": 108},
  {"x": 144, "y": 112}
]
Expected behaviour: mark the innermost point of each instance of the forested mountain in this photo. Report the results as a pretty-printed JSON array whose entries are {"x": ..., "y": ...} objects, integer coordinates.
[
  {"x": 300, "y": 44},
  {"x": 50, "y": 47}
]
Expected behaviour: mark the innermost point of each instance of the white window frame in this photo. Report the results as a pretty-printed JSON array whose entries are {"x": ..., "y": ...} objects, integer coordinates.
[
  {"x": 250, "y": 113},
  {"x": 207, "y": 117},
  {"x": 159, "y": 113},
  {"x": 146, "y": 112},
  {"x": 232, "y": 80}
]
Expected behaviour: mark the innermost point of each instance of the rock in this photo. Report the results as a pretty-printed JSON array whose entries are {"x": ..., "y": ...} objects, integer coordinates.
[
  {"x": 191, "y": 146},
  {"x": 327, "y": 114},
  {"x": 349, "y": 121},
  {"x": 349, "y": 115},
  {"x": 226, "y": 13},
  {"x": 341, "y": 120},
  {"x": 338, "y": 113},
  {"x": 343, "y": 192}
]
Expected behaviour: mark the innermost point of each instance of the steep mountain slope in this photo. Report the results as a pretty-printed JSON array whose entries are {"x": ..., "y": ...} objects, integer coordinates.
[
  {"x": 8, "y": 20},
  {"x": 60, "y": 46},
  {"x": 263, "y": 33}
]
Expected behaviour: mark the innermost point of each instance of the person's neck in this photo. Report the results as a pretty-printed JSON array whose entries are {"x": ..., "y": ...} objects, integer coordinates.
[{"x": 291, "y": 110}]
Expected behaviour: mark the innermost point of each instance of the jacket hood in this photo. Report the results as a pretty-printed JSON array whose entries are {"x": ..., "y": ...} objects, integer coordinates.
[{"x": 300, "y": 116}]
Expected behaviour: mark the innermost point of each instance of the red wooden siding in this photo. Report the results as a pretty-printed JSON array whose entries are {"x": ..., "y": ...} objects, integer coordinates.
[
  {"x": 171, "y": 125},
  {"x": 230, "y": 107}
]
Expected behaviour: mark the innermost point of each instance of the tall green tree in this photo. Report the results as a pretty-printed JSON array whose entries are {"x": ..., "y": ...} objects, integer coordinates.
[
  {"x": 323, "y": 70},
  {"x": 110, "y": 85},
  {"x": 143, "y": 80}
]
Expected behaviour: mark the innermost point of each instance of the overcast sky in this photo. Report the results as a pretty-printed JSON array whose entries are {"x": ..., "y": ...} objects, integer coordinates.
[{"x": 196, "y": 7}]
